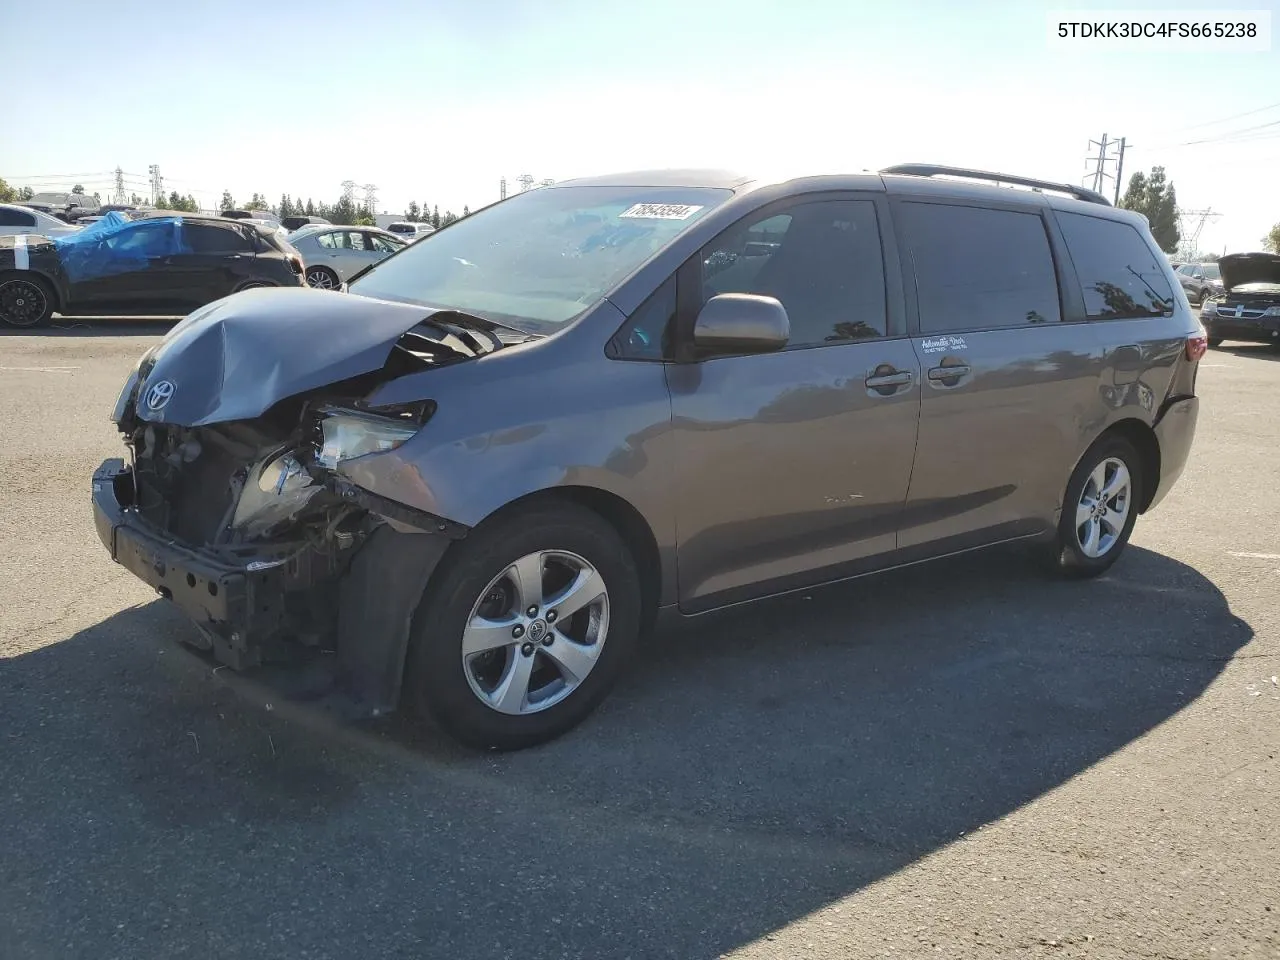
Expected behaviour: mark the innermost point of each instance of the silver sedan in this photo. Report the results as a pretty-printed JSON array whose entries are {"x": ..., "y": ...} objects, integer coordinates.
[{"x": 331, "y": 255}]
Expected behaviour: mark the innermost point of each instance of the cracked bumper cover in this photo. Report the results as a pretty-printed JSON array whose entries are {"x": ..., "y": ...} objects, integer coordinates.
[{"x": 239, "y": 605}]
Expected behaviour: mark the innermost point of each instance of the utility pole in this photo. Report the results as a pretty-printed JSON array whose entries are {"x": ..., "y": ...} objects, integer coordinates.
[
  {"x": 502, "y": 189},
  {"x": 1119, "y": 169},
  {"x": 119, "y": 195},
  {"x": 349, "y": 191},
  {"x": 370, "y": 198}
]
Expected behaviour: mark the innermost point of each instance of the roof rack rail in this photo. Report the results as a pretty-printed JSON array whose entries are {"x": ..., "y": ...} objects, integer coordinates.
[{"x": 933, "y": 170}]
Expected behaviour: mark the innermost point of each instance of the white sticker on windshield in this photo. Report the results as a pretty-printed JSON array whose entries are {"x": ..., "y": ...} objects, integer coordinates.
[{"x": 660, "y": 211}]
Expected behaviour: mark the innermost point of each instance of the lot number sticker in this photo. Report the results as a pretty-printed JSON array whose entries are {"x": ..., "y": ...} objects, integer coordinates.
[{"x": 660, "y": 211}]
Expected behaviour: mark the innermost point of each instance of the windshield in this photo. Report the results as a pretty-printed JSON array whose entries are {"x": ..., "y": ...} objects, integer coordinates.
[
  {"x": 540, "y": 259},
  {"x": 1211, "y": 271}
]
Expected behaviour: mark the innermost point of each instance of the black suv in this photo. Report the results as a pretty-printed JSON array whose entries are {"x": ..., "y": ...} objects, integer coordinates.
[{"x": 157, "y": 265}]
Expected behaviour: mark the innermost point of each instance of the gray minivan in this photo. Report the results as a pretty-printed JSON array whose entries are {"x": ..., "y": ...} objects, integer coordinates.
[{"x": 473, "y": 481}]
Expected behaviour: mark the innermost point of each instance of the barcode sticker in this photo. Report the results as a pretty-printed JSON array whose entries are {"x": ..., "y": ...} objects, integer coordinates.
[{"x": 660, "y": 211}]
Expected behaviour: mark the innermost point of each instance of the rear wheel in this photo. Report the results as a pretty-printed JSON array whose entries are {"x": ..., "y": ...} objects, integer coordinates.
[
  {"x": 322, "y": 278},
  {"x": 26, "y": 301},
  {"x": 1203, "y": 294},
  {"x": 524, "y": 628},
  {"x": 1099, "y": 509}
]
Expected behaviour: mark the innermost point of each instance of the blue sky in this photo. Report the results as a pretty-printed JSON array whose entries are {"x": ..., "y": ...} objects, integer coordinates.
[{"x": 437, "y": 99}]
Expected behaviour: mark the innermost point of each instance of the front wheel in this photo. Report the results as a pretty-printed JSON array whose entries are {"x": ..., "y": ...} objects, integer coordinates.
[
  {"x": 322, "y": 278},
  {"x": 1099, "y": 509},
  {"x": 524, "y": 628}
]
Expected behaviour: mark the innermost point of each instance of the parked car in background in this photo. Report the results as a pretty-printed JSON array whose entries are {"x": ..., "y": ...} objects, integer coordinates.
[
  {"x": 471, "y": 484},
  {"x": 293, "y": 223},
  {"x": 1200, "y": 280},
  {"x": 161, "y": 265},
  {"x": 18, "y": 219},
  {"x": 250, "y": 215},
  {"x": 411, "y": 230},
  {"x": 331, "y": 255},
  {"x": 64, "y": 206},
  {"x": 1248, "y": 308}
]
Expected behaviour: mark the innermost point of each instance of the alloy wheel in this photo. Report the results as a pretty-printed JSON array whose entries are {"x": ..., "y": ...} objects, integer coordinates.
[
  {"x": 1104, "y": 507},
  {"x": 321, "y": 279},
  {"x": 536, "y": 632},
  {"x": 22, "y": 303}
]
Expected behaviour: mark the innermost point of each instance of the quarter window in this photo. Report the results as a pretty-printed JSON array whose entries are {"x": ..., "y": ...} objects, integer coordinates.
[
  {"x": 978, "y": 269},
  {"x": 1118, "y": 271},
  {"x": 821, "y": 260}
]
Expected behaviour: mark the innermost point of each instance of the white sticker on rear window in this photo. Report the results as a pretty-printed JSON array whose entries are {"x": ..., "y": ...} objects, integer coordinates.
[{"x": 660, "y": 211}]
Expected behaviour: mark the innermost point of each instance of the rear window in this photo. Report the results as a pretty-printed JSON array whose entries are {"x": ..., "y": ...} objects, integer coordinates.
[
  {"x": 1119, "y": 274},
  {"x": 980, "y": 269},
  {"x": 210, "y": 239},
  {"x": 16, "y": 218},
  {"x": 401, "y": 228}
]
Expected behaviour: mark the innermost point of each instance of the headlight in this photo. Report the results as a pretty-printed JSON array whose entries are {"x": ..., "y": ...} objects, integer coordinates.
[
  {"x": 1271, "y": 312},
  {"x": 346, "y": 434}
]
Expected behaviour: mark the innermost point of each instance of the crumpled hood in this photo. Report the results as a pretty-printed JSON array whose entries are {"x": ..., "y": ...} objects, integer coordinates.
[
  {"x": 1241, "y": 268},
  {"x": 239, "y": 356}
]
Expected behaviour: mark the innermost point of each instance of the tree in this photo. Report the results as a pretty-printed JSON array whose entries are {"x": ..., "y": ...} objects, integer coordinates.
[
  {"x": 466, "y": 211},
  {"x": 78, "y": 190},
  {"x": 97, "y": 198},
  {"x": 344, "y": 211},
  {"x": 1272, "y": 240},
  {"x": 1155, "y": 198},
  {"x": 310, "y": 208},
  {"x": 435, "y": 217},
  {"x": 257, "y": 202},
  {"x": 134, "y": 199},
  {"x": 448, "y": 218},
  {"x": 1207, "y": 258},
  {"x": 26, "y": 193},
  {"x": 286, "y": 208},
  {"x": 413, "y": 214},
  {"x": 227, "y": 202},
  {"x": 7, "y": 193}
]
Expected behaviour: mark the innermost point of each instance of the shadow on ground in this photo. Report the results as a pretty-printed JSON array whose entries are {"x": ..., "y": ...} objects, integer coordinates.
[
  {"x": 1260, "y": 351},
  {"x": 95, "y": 327},
  {"x": 754, "y": 767}
]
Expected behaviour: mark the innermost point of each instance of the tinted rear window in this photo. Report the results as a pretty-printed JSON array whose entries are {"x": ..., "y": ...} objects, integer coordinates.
[
  {"x": 1119, "y": 273},
  {"x": 978, "y": 269},
  {"x": 16, "y": 218},
  {"x": 208, "y": 238}
]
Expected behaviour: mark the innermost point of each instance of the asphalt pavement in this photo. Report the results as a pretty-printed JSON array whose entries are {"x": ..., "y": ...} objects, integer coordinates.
[{"x": 963, "y": 759}]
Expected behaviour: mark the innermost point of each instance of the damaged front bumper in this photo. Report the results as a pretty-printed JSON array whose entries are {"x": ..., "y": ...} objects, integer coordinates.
[{"x": 353, "y": 601}]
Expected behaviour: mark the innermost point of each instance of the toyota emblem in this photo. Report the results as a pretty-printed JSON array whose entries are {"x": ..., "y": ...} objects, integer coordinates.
[{"x": 160, "y": 395}]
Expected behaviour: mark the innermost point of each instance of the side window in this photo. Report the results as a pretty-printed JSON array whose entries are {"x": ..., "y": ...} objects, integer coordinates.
[
  {"x": 382, "y": 244},
  {"x": 352, "y": 240},
  {"x": 978, "y": 269},
  {"x": 822, "y": 260},
  {"x": 329, "y": 240},
  {"x": 1117, "y": 268},
  {"x": 147, "y": 240},
  {"x": 646, "y": 334},
  {"x": 16, "y": 218}
]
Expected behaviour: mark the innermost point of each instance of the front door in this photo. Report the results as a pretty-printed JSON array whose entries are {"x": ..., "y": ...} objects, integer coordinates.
[
  {"x": 792, "y": 467},
  {"x": 1007, "y": 384},
  {"x": 122, "y": 273}
]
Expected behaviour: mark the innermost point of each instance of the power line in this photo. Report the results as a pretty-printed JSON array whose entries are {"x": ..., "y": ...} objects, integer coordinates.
[
  {"x": 1228, "y": 137},
  {"x": 1235, "y": 116}
]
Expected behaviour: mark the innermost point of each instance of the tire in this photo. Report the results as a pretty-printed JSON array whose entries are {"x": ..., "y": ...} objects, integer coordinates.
[
  {"x": 253, "y": 285},
  {"x": 26, "y": 300},
  {"x": 477, "y": 584},
  {"x": 1203, "y": 294},
  {"x": 322, "y": 278},
  {"x": 1075, "y": 556},
  {"x": 1215, "y": 341}
]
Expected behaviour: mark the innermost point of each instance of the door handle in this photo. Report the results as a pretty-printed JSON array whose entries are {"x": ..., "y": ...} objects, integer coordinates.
[
  {"x": 953, "y": 373},
  {"x": 899, "y": 379}
]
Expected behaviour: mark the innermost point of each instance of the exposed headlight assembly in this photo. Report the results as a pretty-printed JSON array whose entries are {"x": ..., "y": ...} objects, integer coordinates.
[{"x": 347, "y": 434}]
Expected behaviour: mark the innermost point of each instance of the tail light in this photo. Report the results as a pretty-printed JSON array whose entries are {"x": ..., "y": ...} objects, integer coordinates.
[{"x": 1196, "y": 346}]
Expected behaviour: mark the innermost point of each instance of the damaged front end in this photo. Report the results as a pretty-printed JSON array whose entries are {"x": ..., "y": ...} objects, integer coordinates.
[{"x": 249, "y": 526}]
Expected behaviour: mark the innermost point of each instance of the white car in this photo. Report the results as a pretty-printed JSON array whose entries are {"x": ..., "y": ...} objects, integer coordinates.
[
  {"x": 15, "y": 219},
  {"x": 410, "y": 230}
]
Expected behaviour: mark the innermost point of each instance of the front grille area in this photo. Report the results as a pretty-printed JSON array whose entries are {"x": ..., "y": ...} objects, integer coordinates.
[
  {"x": 191, "y": 499},
  {"x": 1228, "y": 311}
]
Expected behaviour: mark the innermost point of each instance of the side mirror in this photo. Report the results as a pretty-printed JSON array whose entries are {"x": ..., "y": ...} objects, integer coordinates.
[{"x": 740, "y": 323}]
